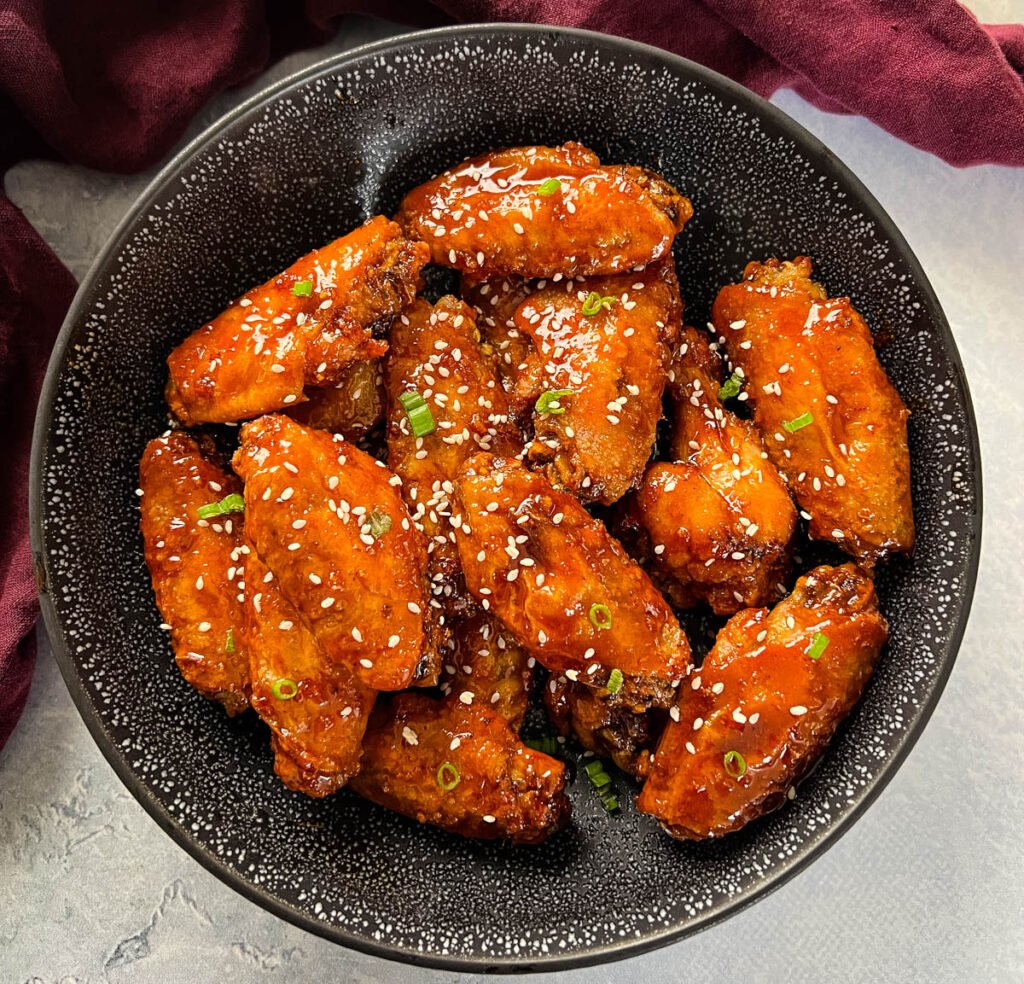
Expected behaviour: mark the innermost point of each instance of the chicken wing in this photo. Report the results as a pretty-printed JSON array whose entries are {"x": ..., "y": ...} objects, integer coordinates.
[
  {"x": 329, "y": 522},
  {"x": 768, "y": 700},
  {"x": 563, "y": 586},
  {"x": 462, "y": 768},
  {"x": 302, "y": 328},
  {"x": 597, "y": 373},
  {"x": 435, "y": 352},
  {"x": 196, "y": 565},
  {"x": 832, "y": 422},
  {"x": 352, "y": 407},
  {"x": 541, "y": 211},
  {"x": 713, "y": 525}
]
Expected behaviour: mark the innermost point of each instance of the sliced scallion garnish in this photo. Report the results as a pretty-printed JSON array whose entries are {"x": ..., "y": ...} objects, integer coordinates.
[
  {"x": 615, "y": 681},
  {"x": 549, "y": 187},
  {"x": 448, "y": 776},
  {"x": 548, "y": 744},
  {"x": 304, "y": 288},
  {"x": 595, "y": 302},
  {"x": 229, "y": 642},
  {"x": 818, "y": 645},
  {"x": 420, "y": 418},
  {"x": 550, "y": 401},
  {"x": 284, "y": 689},
  {"x": 232, "y": 503},
  {"x": 380, "y": 523},
  {"x": 735, "y": 764},
  {"x": 798, "y": 423},
  {"x": 602, "y": 783},
  {"x": 730, "y": 388},
  {"x": 600, "y": 616}
]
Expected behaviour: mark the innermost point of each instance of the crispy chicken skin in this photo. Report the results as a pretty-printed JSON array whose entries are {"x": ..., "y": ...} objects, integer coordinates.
[
  {"x": 311, "y": 505},
  {"x": 503, "y": 213},
  {"x": 261, "y": 353},
  {"x": 534, "y": 557},
  {"x": 808, "y": 357},
  {"x": 316, "y": 734},
  {"x": 196, "y": 565},
  {"x": 352, "y": 407},
  {"x": 500, "y": 789},
  {"x": 435, "y": 351},
  {"x": 762, "y": 696},
  {"x": 714, "y": 525},
  {"x": 614, "y": 361}
]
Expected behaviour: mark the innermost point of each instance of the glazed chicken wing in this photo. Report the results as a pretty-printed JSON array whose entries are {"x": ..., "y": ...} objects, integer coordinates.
[
  {"x": 540, "y": 211},
  {"x": 329, "y": 522},
  {"x": 317, "y": 710},
  {"x": 770, "y": 696},
  {"x": 597, "y": 373},
  {"x": 300, "y": 329},
  {"x": 832, "y": 422},
  {"x": 196, "y": 565},
  {"x": 352, "y": 407},
  {"x": 563, "y": 586},
  {"x": 460, "y": 767},
  {"x": 714, "y": 524}
]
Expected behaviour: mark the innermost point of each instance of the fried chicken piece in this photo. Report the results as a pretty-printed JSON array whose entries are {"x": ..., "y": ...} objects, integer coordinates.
[
  {"x": 490, "y": 667},
  {"x": 563, "y": 586},
  {"x": 461, "y": 768},
  {"x": 714, "y": 525},
  {"x": 317, "y": 710},
  {"x": 328, "y": 520},
  {"x": 772, "y": 693},
  {"x": 541, "y": 211},
  {"x": 435, "y": 351},
  {"x": 300, "y": 329},
  {"x": 832, "y": 422},
  {"x": 352, "y": 407},
  {"x": 196, "y": 565},
  {"x": 609, "y": 367}
]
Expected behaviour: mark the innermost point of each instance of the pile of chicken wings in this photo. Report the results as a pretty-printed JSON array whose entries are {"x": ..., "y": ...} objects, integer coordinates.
[{"x": 437, "y": 512}]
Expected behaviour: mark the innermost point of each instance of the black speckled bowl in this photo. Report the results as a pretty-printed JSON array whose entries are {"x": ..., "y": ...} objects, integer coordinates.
[{"x": 302, "y": 163}]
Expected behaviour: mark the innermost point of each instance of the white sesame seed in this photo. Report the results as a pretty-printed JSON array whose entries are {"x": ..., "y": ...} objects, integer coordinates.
[
  {"x": 466, "y": 697},
  {"x": 718, "y": 688},
  {"x": 798, "y": 710},
  {"x": 327, "y": 602},
  {"x": 487, "y": 818},
  {"x": 410, "y": 736},
  {"x": 366, "y": 663},
  {"x": 674, "y": 713},
  {"x": 393, "y": 641},
  {"x": 285, "y": 625}
]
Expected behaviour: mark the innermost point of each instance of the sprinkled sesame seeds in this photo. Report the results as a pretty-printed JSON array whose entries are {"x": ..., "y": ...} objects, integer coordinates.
[
  {"x": 466, "y": 697},
  {"x": 366, "y": 664},
  {"x": 327, "y": 603},
  {"x": 798, "y": 710}
]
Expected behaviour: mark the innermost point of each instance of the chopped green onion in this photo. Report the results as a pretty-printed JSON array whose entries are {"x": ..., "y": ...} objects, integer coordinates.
[
  {"x": 549, "y": 401},
  {"x": 730, "y": 388},
  {"x": 548, "y": 744},
  {"x": 818, "y": 645},
  {"x": 595, "y": 302},
  {"x": 600, "y": 616},
  {"x": 448, "y": 776},
  {"x": 420, "y": 417},
  {"x": 602, "y": 783},
  {"x": 615, "y": 681},
  {"x": 549, "y": 187},
  {"x": 304, "y": 288},
  {"x": 380, "y": 523},
  {"x": 798, "y": 423},
  {"x": 233, "y": 503},
  {"x": 735, "y": 764},
  {"x": 229, "y": 642},
  {"x": 285, "y": 689}
]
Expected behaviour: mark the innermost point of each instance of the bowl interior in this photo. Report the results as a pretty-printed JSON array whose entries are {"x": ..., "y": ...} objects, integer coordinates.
[{"x": 303, "y": 164}]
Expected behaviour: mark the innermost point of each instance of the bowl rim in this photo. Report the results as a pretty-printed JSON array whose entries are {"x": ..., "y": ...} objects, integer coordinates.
[{"x": 816, "y": 843}]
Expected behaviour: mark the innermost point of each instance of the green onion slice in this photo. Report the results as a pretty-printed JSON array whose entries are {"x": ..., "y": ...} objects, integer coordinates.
[
  {"x": 285, "y": 689},
  {"x": 730, "y": 388},
  {"x": 735, "y": 764},
  {"x": 549, "y": 187},
  {"x": 595, "y": 302},
  {"x": 615, "y": 681},
  {"x": 380, "y": 523},
  {"x": 229, "y": 642},
  {"x": 798, "y": 423},
  {"x": 304, "y": 288},
  {"x": 600, "y": 616},
  {"x": 602, "y": 783},
  {"x": 549, "y": 401},
  {"x": 448, "y": 776},
  {"x": 818, "y": 645},
  {"x": 548, "y": 744},
  {"x": 420, "y": 418},
  {"x": 233, "y": 503}
]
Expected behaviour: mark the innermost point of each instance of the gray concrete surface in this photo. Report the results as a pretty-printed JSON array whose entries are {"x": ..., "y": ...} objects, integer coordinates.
[{"x": 927, "y": 887}]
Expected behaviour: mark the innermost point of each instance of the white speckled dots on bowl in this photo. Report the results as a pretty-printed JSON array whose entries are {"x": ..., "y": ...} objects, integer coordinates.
[{"x": 303, "y": 164}]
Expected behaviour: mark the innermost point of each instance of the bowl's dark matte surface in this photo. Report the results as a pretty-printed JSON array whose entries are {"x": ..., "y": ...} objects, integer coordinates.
[{"x": 305, "y": 162}]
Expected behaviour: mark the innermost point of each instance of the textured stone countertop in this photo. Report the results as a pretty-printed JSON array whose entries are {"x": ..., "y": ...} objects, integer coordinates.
[{"x": 928, "y": 886}]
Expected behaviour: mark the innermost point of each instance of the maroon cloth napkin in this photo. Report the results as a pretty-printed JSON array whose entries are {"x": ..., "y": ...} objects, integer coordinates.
[{"x": 113, "y": 85}]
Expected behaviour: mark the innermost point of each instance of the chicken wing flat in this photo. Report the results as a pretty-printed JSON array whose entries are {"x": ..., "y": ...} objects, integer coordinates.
[
  {"x": 352, "y": 407},
  {"x": 832, "y": 422},
  {"x": 563, "y": 586},
  {"x": 435, "y": 352},
  {"x": 317, "y": 711},
  {"x": 302, "y": 328},
  {"x": 715, "y": 524},
  {"x": 196, "y": 565},
  {"x": 597, "y": 373},
  {"x": 329, "y": 522},
  {"x": 540, "y": 211},
  {"x": 770, "y": 696},
  {"x": 462, "y": 768}
]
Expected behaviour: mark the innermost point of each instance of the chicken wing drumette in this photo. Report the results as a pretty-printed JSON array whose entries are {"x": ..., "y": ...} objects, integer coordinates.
[
  {"x": 300, "y": 329},
  {"x": 768, "y": 700},
  {"x": 541, "y": 211},
  {"x": 329, "y": 522},
  {"x": 196, "y": 565},
  {"x": 832, "y": 422}
]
